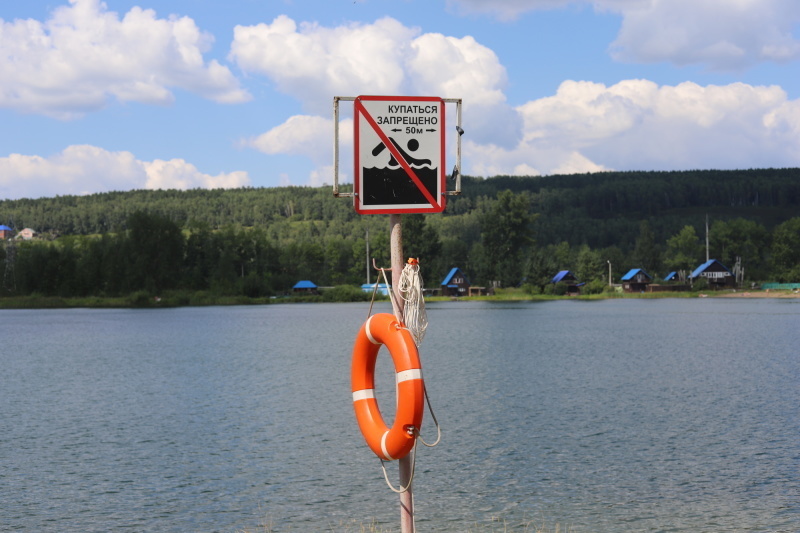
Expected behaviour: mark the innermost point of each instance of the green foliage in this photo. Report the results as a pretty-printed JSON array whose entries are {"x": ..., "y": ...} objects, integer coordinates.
[
  {"x": 700, "y": 284},
  {"x": 506, "y": 233},
  {"x": 596, "y": 286},
  {"x": 255, "y": 243},
  {"x": 786, "y": 251},
  {"x": 348, "y": 293},
  {"x": 646, "y": 253},
  {"x": 684, "y": 251},
  {"x": 741, "y": 238}
]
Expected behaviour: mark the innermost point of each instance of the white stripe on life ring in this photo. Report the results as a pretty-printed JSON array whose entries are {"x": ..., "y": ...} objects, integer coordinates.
[
  {"x": 383, "y": 447},
  {"x": 407, "y": 375},
  {"x": 369, "y": 333},
  {"x": 364, "y": 394}
]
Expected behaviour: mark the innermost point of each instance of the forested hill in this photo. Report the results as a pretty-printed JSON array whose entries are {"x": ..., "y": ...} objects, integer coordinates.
[
  {"x": 565, "y": 203},
  {"x": 506, "y": 229},
  {"x": 604, "y": 209}
]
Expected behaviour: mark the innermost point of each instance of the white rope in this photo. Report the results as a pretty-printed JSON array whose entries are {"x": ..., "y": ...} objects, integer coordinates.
[
  {"x": 438, "y": 427},
  {"x": 410, "y": 287},
  {"x": 402, "y": 489}
]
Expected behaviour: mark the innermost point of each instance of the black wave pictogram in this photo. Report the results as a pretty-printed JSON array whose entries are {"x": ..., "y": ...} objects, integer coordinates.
[{"x": 389, "y": 186}]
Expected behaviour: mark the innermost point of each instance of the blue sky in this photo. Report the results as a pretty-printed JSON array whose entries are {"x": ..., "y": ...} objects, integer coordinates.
[{"x": 119, "y": 95}]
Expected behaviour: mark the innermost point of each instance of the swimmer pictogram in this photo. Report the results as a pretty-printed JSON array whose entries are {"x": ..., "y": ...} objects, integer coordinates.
[{"x": 399, "y": 154}]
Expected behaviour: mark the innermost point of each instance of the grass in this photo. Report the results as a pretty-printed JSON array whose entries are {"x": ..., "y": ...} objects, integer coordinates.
[{"x": 143, "y": 299}]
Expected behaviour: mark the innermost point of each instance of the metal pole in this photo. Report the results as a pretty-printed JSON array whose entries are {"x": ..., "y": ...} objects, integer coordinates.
[{"x": 407, "y": 497}]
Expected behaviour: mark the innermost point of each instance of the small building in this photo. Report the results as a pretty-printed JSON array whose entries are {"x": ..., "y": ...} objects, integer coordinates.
[
  {"x": 480, "y": 291},
  {"x": 636, "y": 280},
  {"x": 27, "y": 234},
  {"x": 455, "y": 283},
  {"x": 382, "y": 289},
  {"x": 672, "y": 276},
  {"x": 568, "y": 278},
  {"x": 717, "y": 274},
  {"x": 6, "y": 232},
  {"x": 305, "y": 287}
]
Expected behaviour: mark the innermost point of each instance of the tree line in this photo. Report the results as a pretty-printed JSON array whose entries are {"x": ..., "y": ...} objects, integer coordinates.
[{"x": 506, "y": 231}]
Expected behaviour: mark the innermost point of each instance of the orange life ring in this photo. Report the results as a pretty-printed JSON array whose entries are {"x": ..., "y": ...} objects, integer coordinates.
[{"x": 395, "y": 443}]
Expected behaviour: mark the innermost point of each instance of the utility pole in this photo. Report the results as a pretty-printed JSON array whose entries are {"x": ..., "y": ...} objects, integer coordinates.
[{"x": 609, "y": 273}]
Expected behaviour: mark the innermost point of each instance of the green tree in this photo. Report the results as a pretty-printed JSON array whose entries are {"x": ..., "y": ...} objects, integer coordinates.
[
  {"x": 740, "y": 238},
  {"x": 786, "y": 251},
  {"x": 646, "y": 253},
  {"x": 156, "y": 247},
  {"x": 590, "y": 266},
  {"x": 684, "y": 250},
  {"x": 421, "y": 241},
  {"x": 197, "y": 262},
  {"x": 506, "y": 233}
]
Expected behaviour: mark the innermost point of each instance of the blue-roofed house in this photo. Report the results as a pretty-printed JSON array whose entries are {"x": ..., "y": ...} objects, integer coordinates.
[
  {"x": 455, "y": 283},
  {"x": 636, "y": 280},
  {"x": 6, "y": 232},
  {"x": 717, "y": 274},
  {"x": 672, "y": 276},
  {"x": 305, "y": 287},
  {"x": 567, "y": 278}
]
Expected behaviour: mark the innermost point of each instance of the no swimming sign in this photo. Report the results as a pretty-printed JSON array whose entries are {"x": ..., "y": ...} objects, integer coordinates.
[{"x": 399, "y": 154}]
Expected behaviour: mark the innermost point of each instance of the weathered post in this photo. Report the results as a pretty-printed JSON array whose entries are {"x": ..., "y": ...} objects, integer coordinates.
[{"x": 406, "y": 497}]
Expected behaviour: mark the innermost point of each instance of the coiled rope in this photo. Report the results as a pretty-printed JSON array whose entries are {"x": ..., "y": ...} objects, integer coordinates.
[{"x": 410, "y": 287}]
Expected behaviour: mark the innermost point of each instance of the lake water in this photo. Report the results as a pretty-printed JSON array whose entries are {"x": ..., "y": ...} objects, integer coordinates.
[{"x": 602, "y": 416}]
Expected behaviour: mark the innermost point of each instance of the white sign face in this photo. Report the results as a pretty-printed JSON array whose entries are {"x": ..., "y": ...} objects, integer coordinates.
[{"x": 399, "y": 154}]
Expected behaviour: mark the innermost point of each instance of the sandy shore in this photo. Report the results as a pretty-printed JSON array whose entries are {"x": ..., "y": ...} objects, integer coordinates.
[{"x": 768, "y": 293}]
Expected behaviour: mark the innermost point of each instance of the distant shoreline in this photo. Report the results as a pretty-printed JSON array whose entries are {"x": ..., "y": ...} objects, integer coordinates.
[
  {"x": 511, "y": 295},
  {"x": 768, "y": 293}
]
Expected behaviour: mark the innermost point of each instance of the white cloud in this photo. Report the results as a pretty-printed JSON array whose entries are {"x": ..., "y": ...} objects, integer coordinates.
[
  {"x": 310, "y": 137},
  {"x": 314, "y": 63},
  {"x": 511, "y": 9},
  {"x": 324, "y": 176},
  {"x": 527, "y": 159},
  {"x": 84, "y": 169},
  {"x": 178, "y": 174},
  {"x": 464, "y": 68},
  {"x": 305, "y": 135},
  {"x": 84, "y": 55},
  {"x": 722, "y": 34},
  {"x": 584, "y": 127},
  {"x": 638, "y": 125}
]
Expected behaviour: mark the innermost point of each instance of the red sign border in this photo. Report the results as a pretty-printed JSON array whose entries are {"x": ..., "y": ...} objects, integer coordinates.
[{"x": 431, "y": 207}]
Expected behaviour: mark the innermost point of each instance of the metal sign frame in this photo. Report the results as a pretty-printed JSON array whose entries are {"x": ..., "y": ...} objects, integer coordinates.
[{"x": 362, "y": 116}]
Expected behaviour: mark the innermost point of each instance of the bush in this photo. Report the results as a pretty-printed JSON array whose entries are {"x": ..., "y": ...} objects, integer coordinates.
[
  {"x": 255, "y": 286},
  {"x": 557, "y": 289},
  {"x": 532, "y": 289},
  {"x": 348, "y": 293},
  {"x": 700, "y": 285},
  {"x": 594, "y": 287},
  {"x": 141, "y": 299}
]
